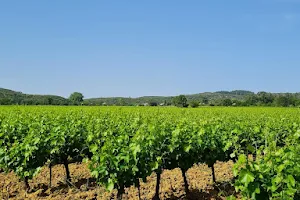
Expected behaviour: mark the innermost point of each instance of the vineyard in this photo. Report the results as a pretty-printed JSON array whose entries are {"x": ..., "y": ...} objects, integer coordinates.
[{"x": 125, "y": 147}]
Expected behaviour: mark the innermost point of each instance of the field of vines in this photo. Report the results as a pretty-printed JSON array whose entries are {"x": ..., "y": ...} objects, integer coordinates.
[{"x": 124, "y": 147}]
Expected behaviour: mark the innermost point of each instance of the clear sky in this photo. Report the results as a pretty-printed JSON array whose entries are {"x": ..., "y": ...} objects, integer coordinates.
[{"x": 152, "y": 47}]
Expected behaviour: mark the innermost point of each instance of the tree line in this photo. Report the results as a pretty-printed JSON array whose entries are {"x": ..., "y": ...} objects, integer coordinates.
[
  {"x": 259, "y": 99},
  {"x": 221, "y": 98}
]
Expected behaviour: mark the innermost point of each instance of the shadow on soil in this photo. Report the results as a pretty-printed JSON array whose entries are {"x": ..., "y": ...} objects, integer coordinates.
[
  {"x": 80, "y": 185},
  {"x": 218, "y": 191}
]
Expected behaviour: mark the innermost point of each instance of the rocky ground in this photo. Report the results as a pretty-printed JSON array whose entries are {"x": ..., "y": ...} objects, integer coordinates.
[{"x": 84, "y": 187}]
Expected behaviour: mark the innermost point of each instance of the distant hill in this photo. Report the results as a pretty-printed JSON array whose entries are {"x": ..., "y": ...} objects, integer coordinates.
[
  {"x": 219, "y": 98},
  {"x": 8, "y": 97},
  {"x": 209, "y": 96}
]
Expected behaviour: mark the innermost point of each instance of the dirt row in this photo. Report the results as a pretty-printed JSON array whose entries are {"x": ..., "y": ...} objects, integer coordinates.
[{"x": 85, "y": 187}]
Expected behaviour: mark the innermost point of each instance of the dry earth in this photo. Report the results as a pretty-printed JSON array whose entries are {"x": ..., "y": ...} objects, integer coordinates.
[{"x": 84, "y": 187}]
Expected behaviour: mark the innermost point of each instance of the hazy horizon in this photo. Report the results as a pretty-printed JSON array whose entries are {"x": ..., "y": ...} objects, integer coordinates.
[{"x": 149, "y": 95}]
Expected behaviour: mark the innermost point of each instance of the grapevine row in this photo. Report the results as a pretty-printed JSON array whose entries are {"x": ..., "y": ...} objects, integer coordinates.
[{"x": 124, "y": 145}]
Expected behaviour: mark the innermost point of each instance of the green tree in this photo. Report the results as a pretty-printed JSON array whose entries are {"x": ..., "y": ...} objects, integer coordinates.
[
  {"x": 226, "y": 102},
  {"x": 251, "y": 100},
  {"x": 5, "y": 101},
  {"x": 285, "y": 100},
  {"x": 265, "y": 98},
  {"x": 49, "y": 100},
  {"x": 76, "y": 98},
  {"x": 180, "y": 101},
  {"x": 121, "y": 102},
  {"x": 153, "y": 103},
  {"x": 205, "y": 100},
  {"x": 194, "y": 104}
]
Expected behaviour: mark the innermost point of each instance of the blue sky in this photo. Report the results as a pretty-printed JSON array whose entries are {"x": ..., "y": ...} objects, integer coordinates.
[{"x": 136, "y": 48}]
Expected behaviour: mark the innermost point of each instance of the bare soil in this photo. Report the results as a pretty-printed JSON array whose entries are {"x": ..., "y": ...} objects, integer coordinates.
[{"x": 84, "y": 187}]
